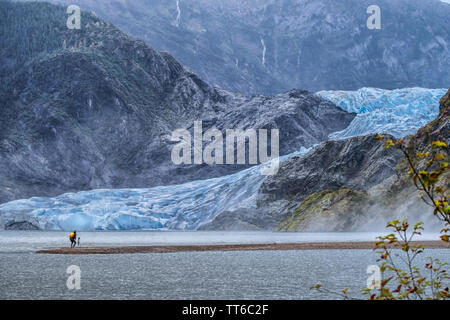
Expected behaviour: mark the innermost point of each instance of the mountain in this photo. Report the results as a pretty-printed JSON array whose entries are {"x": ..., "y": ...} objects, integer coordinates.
[
  {"x": 350, "y": 183},
  {"x": 235, "y": 201},
  {"x": 271, "y": 46},
  {"x": 94, "y": 108},
  {"x": 355, "y": 163},
  {"x": 360, "y": 205}
]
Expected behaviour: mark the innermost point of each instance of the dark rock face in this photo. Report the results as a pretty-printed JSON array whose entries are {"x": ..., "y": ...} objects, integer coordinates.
[
  {"x": 444, "y": 104},
  {"x": 346, "y": 184},
  {"x": 20, "y": 225},
  {"x": 243, "y": 219},
  {"x": 311, "y": 44},
  {"x": 358, "y": 163},
  {"x": 238, "y": 220},
  {"x": 93, "y": 108}
]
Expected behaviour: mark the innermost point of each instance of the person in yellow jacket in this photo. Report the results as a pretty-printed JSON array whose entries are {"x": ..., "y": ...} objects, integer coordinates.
[{"x": 73, "y": 239}]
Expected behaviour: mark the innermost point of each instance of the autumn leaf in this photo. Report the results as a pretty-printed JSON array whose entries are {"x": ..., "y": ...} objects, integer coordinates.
[
  {"x": 388, "y": 144},
  {"x": 398, "y": 288},
  {"x": 438, "y": 144},
  {"x": 421, "y": 155},
  {"x": 317, "y": 286},
  {"x": 438, "y": 189},
  {"x": 421, "y": 280}
]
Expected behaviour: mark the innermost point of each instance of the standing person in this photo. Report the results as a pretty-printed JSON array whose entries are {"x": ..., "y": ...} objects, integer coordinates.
[
  {"x": 78, "y": 241},
  {"x": 73, "y": 237}
]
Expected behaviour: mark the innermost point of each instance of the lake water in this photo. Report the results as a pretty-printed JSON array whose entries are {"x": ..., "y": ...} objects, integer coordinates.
[{"x": 185, "y": 275}]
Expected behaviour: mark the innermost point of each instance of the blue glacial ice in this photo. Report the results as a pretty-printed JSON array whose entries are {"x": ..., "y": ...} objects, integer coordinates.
[
  {"x": 398, "y": 112},
  {"x": 189, "y": 205},
  {"x": 178, "y": 207}
]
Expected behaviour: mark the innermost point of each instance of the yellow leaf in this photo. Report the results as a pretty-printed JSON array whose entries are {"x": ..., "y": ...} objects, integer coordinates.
[
  {"x": 420, "y": 155},
  {"x": 388, "y": 144},
  {"x": 438, "y": 144}
]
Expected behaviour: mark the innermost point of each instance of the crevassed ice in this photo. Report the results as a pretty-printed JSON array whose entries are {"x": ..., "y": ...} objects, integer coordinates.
[
  {"x": 189, "y": 205},
  {"x": 179, "y": 207},
  {"x": 398, "y": 112}
]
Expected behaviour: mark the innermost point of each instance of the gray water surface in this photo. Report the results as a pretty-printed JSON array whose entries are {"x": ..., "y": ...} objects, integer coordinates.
[{"x": 185, "y": 275}]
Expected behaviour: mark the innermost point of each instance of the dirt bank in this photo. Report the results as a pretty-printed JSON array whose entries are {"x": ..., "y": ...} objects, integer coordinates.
[{"x": 229, "y": 247}]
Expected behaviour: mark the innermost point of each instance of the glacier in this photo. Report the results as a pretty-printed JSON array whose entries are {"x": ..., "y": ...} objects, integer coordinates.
[
  {"x": 398, "y": 112},
  {"x": 189, "y": 205},
  {"x": 179, "y": 207}
]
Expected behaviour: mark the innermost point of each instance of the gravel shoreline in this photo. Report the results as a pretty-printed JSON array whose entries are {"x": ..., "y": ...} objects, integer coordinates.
[{"x": 231, "y": 247}]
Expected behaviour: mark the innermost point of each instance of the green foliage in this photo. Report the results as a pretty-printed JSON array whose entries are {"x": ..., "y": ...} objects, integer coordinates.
[
  {"x": 325, "y": 208},
  {"x": 411, "y": 282},
  {"x": 35, "y": 30},
  {"x": 426, "y": 170}
]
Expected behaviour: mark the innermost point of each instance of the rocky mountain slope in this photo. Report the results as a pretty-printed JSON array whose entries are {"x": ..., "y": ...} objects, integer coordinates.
[
  {"x": 271, "y": 46},
  {"x": 355, "y": 163},
  {"x": 93, "y": 108},
  {"x": 349, "y": 184},
  {"x": 343, "y": 185},
  {"x": 338, "y": 210},
  {"x": 230, "y": 202}
]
